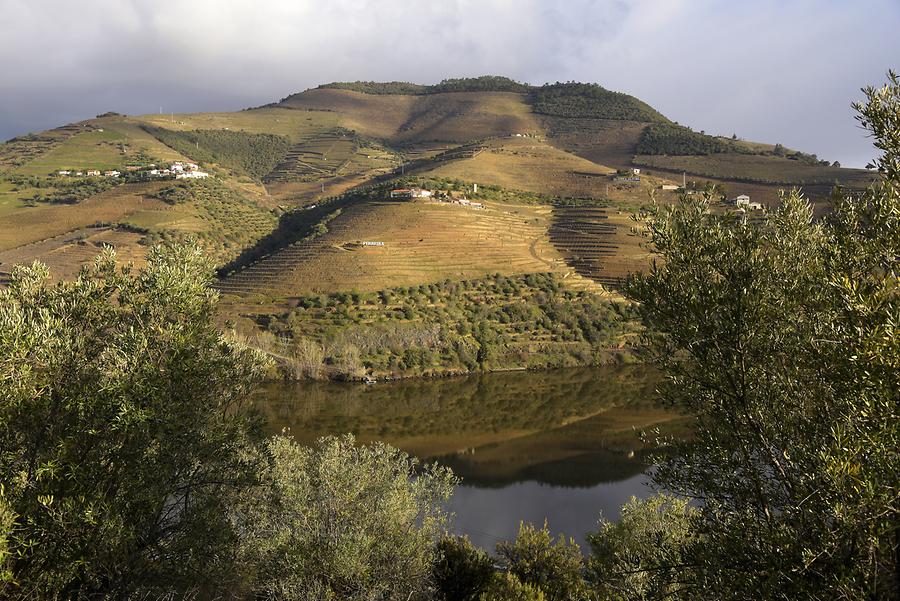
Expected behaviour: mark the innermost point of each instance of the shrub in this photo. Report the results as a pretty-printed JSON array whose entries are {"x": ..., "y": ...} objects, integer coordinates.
[
  {"x": 461, "y": 570},
  {"x": 555, "y": 568},
  {"x": 507, "y": 587},
  {"x": 641, "y": 555},
  {"x": 342, "y": 521}
]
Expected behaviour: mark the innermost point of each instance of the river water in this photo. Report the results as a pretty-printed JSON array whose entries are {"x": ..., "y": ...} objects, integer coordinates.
[{"x": 561, "y": 446}]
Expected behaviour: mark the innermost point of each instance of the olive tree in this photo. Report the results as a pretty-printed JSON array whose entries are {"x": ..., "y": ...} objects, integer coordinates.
[
  {"x": 342, "y": 521},
  {"x": 121, "y": 429},
  {"x": 780, "y": 336}
]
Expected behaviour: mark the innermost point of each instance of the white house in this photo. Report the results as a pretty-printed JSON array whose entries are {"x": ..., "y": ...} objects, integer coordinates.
[
  {"x": 93, "y": 172},
  {"x": 669, "y": 187},
  {"x": 112, "y": 173},
  {"x": 63, "y": 172},
  {"x": 742, "y": 200},
  {"x": 191, "y": 175},
  {"x": 756, "y": 206},
  {"x": 636, "y": 171}
]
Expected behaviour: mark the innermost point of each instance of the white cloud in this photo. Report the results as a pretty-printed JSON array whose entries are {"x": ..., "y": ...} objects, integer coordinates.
[{"x": 776, "y": 70}]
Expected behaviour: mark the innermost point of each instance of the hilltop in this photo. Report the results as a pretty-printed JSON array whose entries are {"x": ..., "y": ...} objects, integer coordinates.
[{"x": 296, "y": 187}]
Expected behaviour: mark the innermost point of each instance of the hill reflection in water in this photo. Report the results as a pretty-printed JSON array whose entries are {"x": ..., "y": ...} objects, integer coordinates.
[{"x": 572, "y": 427}]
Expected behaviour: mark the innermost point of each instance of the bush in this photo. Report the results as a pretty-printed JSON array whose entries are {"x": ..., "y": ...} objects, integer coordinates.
[
  {"x": 341, "y": 521},
  {"x": 121, "y": 429},
  {"x": 253, "y": 154},
  {"x": 507, "y": 587},
  {"x": 641, "y": 555},
  {"x": 555, "y": 568},
  {"x": 667, "y": 138},
  {"x": 461, "y": 570}
]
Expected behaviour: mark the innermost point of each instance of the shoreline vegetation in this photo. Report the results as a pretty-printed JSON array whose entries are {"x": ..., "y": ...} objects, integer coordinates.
[{"x": 497, "y": 323}]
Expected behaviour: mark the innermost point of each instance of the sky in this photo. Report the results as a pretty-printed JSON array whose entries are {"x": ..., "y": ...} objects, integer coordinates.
[{"x": 767, "y": 70}]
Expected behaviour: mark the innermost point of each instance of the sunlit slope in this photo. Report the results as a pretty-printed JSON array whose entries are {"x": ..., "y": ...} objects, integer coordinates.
[
  {"x": 455, "y": 116},
  {"x": 422, "y": 241}
]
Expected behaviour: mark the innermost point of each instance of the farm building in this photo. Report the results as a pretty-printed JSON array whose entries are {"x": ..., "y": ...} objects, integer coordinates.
[
  {"x": 192, "y": 175},
  {"x": 410, "y": 193},
  {"x": 668, "y": 187},
  {"x": 93, "y": 172},
  {"x": 742, "y": 200}
]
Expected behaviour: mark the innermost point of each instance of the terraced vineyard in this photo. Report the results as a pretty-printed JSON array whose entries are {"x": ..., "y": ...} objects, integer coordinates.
[
  {"x": 597, "y": 243},
  {"x": 423, "y": 242},
  {"x": 321, "y": 156}
]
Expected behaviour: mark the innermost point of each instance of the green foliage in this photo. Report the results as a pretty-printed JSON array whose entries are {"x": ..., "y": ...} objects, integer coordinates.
[
  {"x": 63, "y": 190},
  {"x": 642, "y": 555},
  {"x": 669, "y": 138},
  {"x": 591, "y": 101},
  {"x": 375, "y": 87},
  {"x": 121, "y": 429},
  {"x": 341, "y": 521},
  {"x": 555, "y": 568},
  {"x": 506, "y": 587},
  {"x": 461, "y": 570},
  {"x": 781, "y": 338},
  {"x": 7, "y": 521},
  {"x": 229, "y": 222},
  {"x": 485, "y": 83},
  {"x": 496, "y": 322},
  {"x": 252, "y": 154}
]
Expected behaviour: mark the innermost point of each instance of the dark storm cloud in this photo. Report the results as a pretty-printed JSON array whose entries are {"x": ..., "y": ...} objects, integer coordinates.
[{"x": 774, "y": 70}]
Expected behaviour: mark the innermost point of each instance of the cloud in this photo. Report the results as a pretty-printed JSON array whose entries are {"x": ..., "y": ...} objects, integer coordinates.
[{"x": 774, "y": 70}]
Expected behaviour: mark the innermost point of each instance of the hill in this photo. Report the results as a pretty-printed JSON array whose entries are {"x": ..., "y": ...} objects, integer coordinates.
[{"x": 297, "y": 200}]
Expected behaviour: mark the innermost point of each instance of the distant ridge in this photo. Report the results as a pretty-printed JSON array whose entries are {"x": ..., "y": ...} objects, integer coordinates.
[{"x": 569, "y": 99}]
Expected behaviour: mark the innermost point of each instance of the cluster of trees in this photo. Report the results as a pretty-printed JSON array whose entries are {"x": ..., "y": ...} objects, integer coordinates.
[
  {"x": 670, "y": 138},
  {"x": 485, "y": 83},
  {"x": 491, "y": 323},
  {"x": 229, "y": 222},
  {"x": 251, "y": 154},
  {"x": 62, "y": 191},
  {"x": 587, "y": 100}
]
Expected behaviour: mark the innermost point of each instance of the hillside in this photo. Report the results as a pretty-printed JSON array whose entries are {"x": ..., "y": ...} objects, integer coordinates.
[{"x": 294, "y": 189}]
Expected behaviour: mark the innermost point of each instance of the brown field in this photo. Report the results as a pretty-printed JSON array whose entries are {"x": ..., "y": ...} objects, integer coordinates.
[
  {"x": 602, "y": 141},
  {"x": 27, "y": 225},
  {"x": 457, "y": 117}
]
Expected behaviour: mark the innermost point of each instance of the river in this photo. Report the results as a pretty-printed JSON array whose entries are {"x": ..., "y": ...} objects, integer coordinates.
[{"x": 561, "y": 446}]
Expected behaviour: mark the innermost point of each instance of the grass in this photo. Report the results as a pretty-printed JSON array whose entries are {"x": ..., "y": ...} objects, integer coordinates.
[
  {"x": 758, "y": 169},
  {"x": 405, "y": 119},
  {"x": 26, "y": 225},
  {"x": 88, "y": 150},
  {"x": 423, "y": 242},
  {"x": 209, "y": 212},
  {"x": 292, "y": 124}
]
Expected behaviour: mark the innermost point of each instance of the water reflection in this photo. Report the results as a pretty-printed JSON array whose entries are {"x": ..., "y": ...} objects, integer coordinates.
[{"x": 561, "y": 445}]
